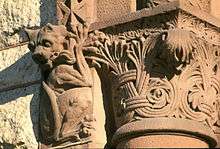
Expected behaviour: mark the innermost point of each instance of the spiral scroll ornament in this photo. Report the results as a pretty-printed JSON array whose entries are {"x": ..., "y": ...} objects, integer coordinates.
[{"x": 160, "y": 99}]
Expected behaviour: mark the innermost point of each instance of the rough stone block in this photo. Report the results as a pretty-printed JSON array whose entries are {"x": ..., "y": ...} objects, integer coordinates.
[
  {"x": 19, "y": 118},
  {"x": 15, "y": 14},
  {"x": 17, "y": 67},
  {"x": 107, "y": 9}
]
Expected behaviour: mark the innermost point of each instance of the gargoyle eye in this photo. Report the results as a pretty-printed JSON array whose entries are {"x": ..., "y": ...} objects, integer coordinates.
[
  {"x": 46, "y": 43},
  {"x": 31, "y": 46}
]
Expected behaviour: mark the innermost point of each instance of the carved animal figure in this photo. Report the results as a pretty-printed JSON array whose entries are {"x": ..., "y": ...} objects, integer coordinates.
[{"x": 66, "y": 97}]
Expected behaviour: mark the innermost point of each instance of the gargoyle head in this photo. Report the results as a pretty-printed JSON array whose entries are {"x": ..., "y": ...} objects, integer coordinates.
[{"x": 50, "y": 46}]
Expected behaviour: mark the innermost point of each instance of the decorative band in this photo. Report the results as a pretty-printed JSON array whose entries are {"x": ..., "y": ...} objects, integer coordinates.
[
  {"x": 126, "y": 77},
  {"x": 14, "y": 46},
  {"x": 135, "y": 102}
]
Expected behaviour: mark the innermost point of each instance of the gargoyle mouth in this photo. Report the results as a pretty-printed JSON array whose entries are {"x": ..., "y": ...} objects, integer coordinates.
[
  {"x": 43, "y": 62},
  {"x": 39, "y": 58},
  {"x": 46, "y": 66}
]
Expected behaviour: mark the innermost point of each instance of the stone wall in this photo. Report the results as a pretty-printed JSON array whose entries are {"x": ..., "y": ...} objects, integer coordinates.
[{"x": 19, "y": 75}]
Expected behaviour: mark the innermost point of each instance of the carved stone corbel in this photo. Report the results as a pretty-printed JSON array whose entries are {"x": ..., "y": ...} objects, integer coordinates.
[{"x": 66, "y": 98}]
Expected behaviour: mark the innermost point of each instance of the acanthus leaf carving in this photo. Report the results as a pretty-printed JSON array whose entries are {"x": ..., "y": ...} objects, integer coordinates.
[{"x": 170, "y": 73}]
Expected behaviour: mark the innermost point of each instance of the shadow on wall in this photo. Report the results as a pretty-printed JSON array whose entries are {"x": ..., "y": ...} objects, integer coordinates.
[
  {"x": 48, "y": 12},
  {"x": 24, "y": 70},
  {"x": 16, "y": 100}
]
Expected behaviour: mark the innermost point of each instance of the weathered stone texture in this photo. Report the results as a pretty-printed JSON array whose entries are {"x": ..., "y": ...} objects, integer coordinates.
[
  {"x": 15, "y": 14},
  {"x": 107, "y": 9},
  {"x": 19, "y": 108},
  {"x": 17, "y": 67},
  {"x": 215, "y": 11},
  {"x": 19, "y": 118},
  {"x": 203, "y": 5}
]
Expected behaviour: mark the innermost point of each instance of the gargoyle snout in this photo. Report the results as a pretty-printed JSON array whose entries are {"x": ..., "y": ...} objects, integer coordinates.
[{"x": 40, "y": 57}]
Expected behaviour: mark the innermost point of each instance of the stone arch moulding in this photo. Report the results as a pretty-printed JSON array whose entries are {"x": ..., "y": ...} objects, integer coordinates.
[{"x": 163, "y": 64}]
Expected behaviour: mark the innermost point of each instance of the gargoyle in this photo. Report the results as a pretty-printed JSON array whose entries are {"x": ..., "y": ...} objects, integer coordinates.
[{"x": 66, "y": 98}]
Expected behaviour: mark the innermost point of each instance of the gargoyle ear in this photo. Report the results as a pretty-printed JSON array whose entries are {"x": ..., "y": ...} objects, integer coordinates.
[
  {"x": 48, "y": 28},
  {"x": 31, "y": 34}
]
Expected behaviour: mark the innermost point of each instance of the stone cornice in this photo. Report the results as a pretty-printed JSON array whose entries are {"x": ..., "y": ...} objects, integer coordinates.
[{"x": 161, "y": 9}]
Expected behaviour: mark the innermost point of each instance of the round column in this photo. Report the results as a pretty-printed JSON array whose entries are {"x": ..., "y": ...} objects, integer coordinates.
[{"x": 164, "y": 133}]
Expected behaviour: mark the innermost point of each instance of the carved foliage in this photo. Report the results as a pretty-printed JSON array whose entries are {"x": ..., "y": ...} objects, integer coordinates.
[
  {"x": 63, "y": 11},
  {"x": 202, "y": 29},
  {"x": 167, "y": 74}
]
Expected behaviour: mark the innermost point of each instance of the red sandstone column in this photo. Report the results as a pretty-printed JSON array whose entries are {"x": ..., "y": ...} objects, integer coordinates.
[{"x": 164, "y": 133}]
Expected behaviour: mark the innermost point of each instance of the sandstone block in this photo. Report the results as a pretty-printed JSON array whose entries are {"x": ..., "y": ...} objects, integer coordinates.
[
  {"x": 19, "y": 118},
  {"x": 15, "y": 14},
  {"x": 17, "y": 67},
  {"x": 107, "y": 9}
]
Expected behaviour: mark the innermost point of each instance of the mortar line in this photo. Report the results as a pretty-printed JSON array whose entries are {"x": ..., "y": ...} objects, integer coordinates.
[{"x": 14, "y": 45}]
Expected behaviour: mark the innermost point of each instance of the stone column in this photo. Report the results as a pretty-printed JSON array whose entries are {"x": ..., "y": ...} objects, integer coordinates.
[{"x": 164, "y": 63}]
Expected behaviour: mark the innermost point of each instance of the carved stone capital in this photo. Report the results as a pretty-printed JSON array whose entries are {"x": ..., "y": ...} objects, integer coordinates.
[
  {"x": 171, "y": 72},
  {"x": 157, "y": 74}
]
